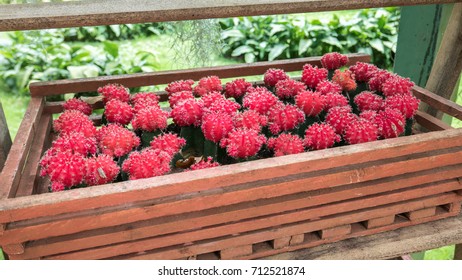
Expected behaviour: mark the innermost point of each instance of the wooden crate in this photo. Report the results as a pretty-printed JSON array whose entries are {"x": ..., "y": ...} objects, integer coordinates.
[{"x": 240, "y": 211}]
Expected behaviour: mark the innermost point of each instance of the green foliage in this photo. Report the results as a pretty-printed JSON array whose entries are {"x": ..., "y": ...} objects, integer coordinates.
[
  {"x": 195, "y": 42},
  {"x": 44, "y": 56},
  {"x": 264, "y": 38},
  {"x": 112, "y": 32}
]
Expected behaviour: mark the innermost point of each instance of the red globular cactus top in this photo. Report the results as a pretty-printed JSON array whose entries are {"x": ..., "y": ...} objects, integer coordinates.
[
  {"x": 312, "y": 75},
  {"x": 147, "y": 163},
  {"x": 367, "y": 100},
  {"x": 273, "y": 76},
  {"x": 79, "y": 105},
  {"x": 286, "y": 144},
  {"x": 150, "y": 119},
  {"x": 237, "y": 88},
  {"x": 334, "y": 60},
  {"x": 116, "y": 141},
  {"x": 168, "y": 142},
  {"x": 101, "y": 169},
  {"x": 114, "y": 91},
  {"x": 284, "y": 118},
  {"x": 260, "y": 99},
  {"x": 74, "y": 121},
  {"x": 289, "y": 88},
  {"x": 243, "y": 143},
  {"x": 345, "y": 79},
  {"x": 119, "y": 112},
  {"x": 188, "y": 112},
  {"x": 320, "y": 136},
  {"x": 203, "y": 164},
  {"x": 216, "y": 126},
  {"x": 181, "y": 85},
  {"x": 363, "y": 71},
  {"x": 207, "y": 85}
]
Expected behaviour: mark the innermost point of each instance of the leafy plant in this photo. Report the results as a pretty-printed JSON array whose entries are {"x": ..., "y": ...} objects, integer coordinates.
[
  {"x": 44, "y": 56},
  {"x": 112, "y": 32},
  {"x": 263, "y": 38}
]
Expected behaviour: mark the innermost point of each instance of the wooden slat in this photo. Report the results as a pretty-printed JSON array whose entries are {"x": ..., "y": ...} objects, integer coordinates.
[
  {"x": 11, "y": 173},
  {"x": 438, "y": 102},
  {"x": 376, "y": 245},
  {"x": 30, "y": 230},
  {"x": 104, "y": 12},
  {"x": 225, "y": 215},
  {"x": 448, "y": 62},
  {"x": 174, "y": 184},
  {"x": 431, "y": 123},
  {"x": 165, "y": 77},
  {"x": 29, "y": 176},
  {"x": 292, "y": 229},
  {"x": 5, "y": 139}
]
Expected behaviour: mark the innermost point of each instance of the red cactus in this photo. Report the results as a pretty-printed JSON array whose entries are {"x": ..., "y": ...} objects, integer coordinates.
[
  {"x": 284, "y": 118},
  {"x": 223, "y": 106},
  {"x": 142, "y": 100},
  {"x": 367, "y": 100},
  {"x": 119, "y": 112},
  {"x": 345, "y": 79},
  {"x": 312, "y": 75},
  {"x": 150, "y": 119},
  {"x": 334, "y": 100},
  {"x": 116, "y": 141},
  {"x": 188, "y": 112},
  {"x": 66, "y": 169},
  {"x": 74, "y": 121},
  {"x": 377, "y": 80},
  {"x": 406, "y": 104},
  {"x": 147, "y": 163},
  {"x": 79, "y": 105},
  {"x": 320, "y": 136},
  {"x": 312, "y": 103},
  {"x": 260, "y": 99},
  {"x": 243, "y": 143},
  {"x": 390, "y": 122},
  {"x": 203, "y": 164},
  {"x": 273, "y": 76},
  {"x": 181, "y": 85},
  {"x": 216, "y": 126},
  {"x": 340, "y": 117},
  {"x": 286, "y": 144},
  {"x": 237, "y": 88},
  {"x": 369, "y": 115},
  {"x": 334, "y": 60},
  {"x": 179, "y": 96},
  {"x": 396, "y": 85},
  {"x": 360, "y": 131},
  {"x": 325, "y": 87},
  {"x": 114, "y": 91},
  {"x": 75, "y": 142},
  {"x": 207, "y": 85},
  {"x": 168, "y": 142},
  {"x": 100, "y": 170},
  {"x": 210, "y": 98},
  {"x": 363, "y": 71},
  {"x": 289, "y": 88},
  {"x": 250, "y": 119}
]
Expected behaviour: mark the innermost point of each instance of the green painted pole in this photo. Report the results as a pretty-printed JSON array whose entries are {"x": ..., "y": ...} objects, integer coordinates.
[{"x": 417, "y": 41}]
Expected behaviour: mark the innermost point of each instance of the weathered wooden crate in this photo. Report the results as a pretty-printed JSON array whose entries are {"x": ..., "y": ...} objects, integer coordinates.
[{"x": 240, "y": 211}]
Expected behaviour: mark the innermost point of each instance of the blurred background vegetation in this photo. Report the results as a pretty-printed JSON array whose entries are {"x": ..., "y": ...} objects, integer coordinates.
[{"x": 48, "y": 55}]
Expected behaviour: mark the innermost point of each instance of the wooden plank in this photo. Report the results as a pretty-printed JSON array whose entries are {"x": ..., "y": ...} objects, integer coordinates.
[
  {"x": 438, "y": 102},
  {"x": 384, "y": 245},
  {"x": 311, "y": 213},
  {"x": 223, "y": 215},
  {"x": 229, "y": 214},
  {"x": 32, "y": 230},
  {"x": 233, "y": 252},
  {"x": 335, "y": 231},
  {"x": 11, "y": 174},
  {"x": 262, "y": 235},
  {"x": 165, "y": 77},
  {"x": 104, "y": 12},
  {"x": 422, "y": 213},
  {"x": 5, "y": 139},
  {"x": 431, "y": 123},
  {"x": 448, "y": 63},
  {"x": 379, "y": 222},
  {"x": 458, "y": 251},
  {"x": 174, "y": 184},
  {"x": 29, "y": 176}
]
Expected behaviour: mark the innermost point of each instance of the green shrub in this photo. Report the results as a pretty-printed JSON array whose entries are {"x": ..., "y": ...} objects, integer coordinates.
[
  {"x": 264, "y": 38},
  {"x": 112, "y": 32},
  {"x": 44, "y": 56}
]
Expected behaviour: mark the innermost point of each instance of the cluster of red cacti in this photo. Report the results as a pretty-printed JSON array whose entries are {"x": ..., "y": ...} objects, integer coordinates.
[{"x": 239, "y": 121}]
